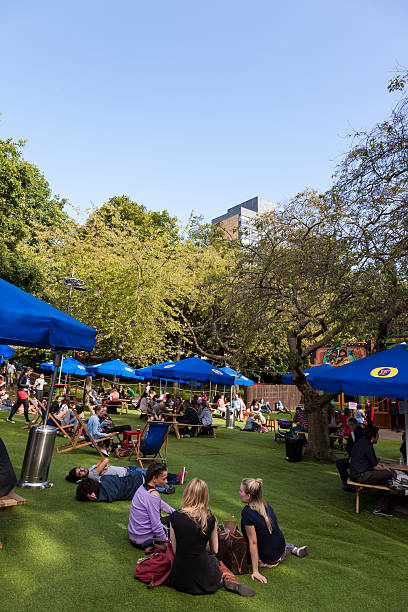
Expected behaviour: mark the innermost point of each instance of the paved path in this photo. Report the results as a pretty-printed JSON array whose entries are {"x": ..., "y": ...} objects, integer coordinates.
[{"x": 388, "y": 434}]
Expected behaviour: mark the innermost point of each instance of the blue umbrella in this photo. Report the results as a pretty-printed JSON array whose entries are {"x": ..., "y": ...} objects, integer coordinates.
[
  {"x": 193, "y": 369},
  {"x": 68, "y": 366},
  {"x": 310, "y": 373},
  {"x": 147, "y": 373},
  {"x": 383, "y": 374},
  {"x": 6, "y": 351},
  {"x": 27, "y": 321},
  {"x": 116, "y": 367},
  {"x": 240, "y": 379}
]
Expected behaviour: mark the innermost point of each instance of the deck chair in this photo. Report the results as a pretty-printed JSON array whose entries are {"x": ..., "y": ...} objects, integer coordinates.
[
  {"x": 52, "y": 421},
  {"x": 151, "y": 440},
  {"x": 76, "y": 442}
]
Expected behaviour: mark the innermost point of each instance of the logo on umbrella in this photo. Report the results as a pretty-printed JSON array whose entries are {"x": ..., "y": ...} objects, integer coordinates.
[
  {"x": 384, "y": 372},
  {"x": 171, "y": 365},
  {"x": 216, "y": 371}
]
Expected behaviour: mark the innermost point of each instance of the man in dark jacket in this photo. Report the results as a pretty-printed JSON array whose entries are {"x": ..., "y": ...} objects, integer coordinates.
[
  {"x": 110, "y": 488},
  {"x": 365, "y": 468},
  {"x": 343, "y": 464},
  {"x": 394, "y": 412}
]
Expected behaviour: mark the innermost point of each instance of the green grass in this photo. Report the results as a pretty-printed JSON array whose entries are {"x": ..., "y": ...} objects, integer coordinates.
[{"x": 62, "y": 555}]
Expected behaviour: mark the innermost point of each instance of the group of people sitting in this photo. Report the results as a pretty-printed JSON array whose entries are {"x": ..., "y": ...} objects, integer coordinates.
[
  {"x": 362, "y": 465},
  {"x": 196, "y": 412},
  {"x": 192, "y": 529}
]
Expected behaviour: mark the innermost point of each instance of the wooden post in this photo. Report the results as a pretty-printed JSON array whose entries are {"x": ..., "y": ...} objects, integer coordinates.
[{"x": 87, "y": 388}]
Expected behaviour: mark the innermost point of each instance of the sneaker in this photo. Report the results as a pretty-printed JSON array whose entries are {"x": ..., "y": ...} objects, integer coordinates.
[
  {"x": 380, "y": 512},
  {"x": 186, "y": 435},
  {"x": 302, "y": 551},
  {"x": 238, "y": 587},
  {"x": 10, "y": 420},
  {"x": 28, "y": 422},
  {"x": 105, "y": 452}
]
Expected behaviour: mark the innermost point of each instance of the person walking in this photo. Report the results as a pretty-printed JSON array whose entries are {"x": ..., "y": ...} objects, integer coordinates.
[
  {"x": 39, "y": 387},
  {"x": 23, "y": 390}
]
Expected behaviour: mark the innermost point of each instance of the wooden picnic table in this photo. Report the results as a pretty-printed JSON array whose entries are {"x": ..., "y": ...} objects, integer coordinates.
[{"x": 171, "y": 417}]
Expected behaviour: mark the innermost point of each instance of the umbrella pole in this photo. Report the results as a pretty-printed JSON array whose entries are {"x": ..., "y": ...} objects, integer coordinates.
[
  {"x": 57, "y": 364},
  {"x": 406, "y": 438},
  {"x": 60, "y": 369}
]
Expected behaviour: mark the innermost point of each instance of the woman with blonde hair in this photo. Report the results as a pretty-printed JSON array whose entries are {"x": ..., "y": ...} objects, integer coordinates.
[
  {"x": 191, "y": 528},
  {"x": 260, "y": 527}
]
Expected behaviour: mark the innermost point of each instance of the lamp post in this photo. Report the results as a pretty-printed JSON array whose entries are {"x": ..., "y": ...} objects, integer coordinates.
[{"x": 41, "y": 440}]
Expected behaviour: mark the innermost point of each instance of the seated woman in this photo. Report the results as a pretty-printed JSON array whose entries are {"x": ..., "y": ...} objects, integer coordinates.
[
  {"x": 144, "y": 516},
  {"x": 191, "y": 528},
  {"x": 251, "y": 423},
  {"x": 189, "y": 416},
  {"x": 260, "y": 527},
  {"x": 114, "y": 395},
  {"x": 265, "y": 406},
  {"x": 256, "y": 409}
]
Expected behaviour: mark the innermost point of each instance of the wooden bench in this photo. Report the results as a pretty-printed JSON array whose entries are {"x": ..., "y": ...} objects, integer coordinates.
[
  {"x": 212, "y": 428},
  {"x": 360, "y": 486},
  {"x": 7, "y": 503}
]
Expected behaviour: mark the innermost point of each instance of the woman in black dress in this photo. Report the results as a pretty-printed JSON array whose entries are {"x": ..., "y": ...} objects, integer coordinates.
[
  {"x": 259, "y": 525},
  {"x": 191, "y": 527}
]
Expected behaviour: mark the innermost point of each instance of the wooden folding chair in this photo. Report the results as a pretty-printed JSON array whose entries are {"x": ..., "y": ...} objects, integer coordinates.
[
  {"x": 38, "y": 419},
  {"x": 151, "y": 441},
  {"x": 76, "y": 442}
]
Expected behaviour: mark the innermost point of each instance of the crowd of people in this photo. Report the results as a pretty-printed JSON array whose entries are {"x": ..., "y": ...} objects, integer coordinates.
[{"x": 192, "y": 529}]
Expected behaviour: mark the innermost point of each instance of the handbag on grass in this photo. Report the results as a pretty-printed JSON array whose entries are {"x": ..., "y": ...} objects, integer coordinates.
[
  {"x": 155, "y": 569},
  {"x": 232, "y": 548}
]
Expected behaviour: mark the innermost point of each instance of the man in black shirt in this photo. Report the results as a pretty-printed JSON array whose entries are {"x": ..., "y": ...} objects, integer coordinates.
[
  {"x": 394, "y": 412},
  {"x": 365, "y": 468},
  {"x": 343, "y": 464}
]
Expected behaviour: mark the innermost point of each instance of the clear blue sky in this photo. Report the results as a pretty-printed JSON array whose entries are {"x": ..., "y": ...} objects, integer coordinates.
[{"x": 194, "y": 105}]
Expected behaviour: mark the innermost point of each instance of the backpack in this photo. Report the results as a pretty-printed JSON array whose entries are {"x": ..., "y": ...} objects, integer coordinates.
[
  {"x": 154, "y": 570},
  {"x": 232, "y": 548},
  {"x": 399, "y": 480}
]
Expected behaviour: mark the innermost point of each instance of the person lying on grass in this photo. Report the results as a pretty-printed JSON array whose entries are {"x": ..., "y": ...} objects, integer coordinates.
[
  {"x": 144, "y": 516},
  {"x": 191, "y": 529},
  {"x": 110, "y": 488},
  {"x": 102, "y": 468},
  {"x": 259, "y": 525}
]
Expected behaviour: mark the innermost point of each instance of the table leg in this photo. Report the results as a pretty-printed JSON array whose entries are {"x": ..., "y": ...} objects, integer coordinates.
[{"x": 176, "y": 429}]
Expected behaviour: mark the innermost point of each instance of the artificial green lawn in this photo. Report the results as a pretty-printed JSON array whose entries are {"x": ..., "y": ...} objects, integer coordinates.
[{"x": 62, "y": 555}]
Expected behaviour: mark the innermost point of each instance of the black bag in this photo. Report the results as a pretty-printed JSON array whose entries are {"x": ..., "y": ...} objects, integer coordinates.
[{"x": 232, "y": 548}]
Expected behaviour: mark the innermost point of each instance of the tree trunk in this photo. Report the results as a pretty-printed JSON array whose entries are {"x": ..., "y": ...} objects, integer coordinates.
[
  {"x": 87, "y": 388},
  {"x": 318, "y": 438}
]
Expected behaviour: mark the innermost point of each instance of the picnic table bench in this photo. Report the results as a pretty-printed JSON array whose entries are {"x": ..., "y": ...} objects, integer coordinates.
[
  {"x": 7, "y": 503},
  {"x": 196, "y": 427},
  {"x": 359, "y": 488}
]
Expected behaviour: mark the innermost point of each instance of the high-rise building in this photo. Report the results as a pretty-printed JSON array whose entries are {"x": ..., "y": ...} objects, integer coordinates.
[{"x": 238, "y": 221}]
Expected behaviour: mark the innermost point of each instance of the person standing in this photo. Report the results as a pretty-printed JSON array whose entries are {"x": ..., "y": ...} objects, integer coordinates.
[
  {"x": 23, "y": 390},
  {"x": 394, "y": 412},
  {"x": 11, "y": 372},
  {"x": 39, "y": 387}
]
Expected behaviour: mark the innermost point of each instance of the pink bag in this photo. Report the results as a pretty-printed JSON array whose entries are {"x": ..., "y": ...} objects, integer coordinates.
[{"x": 155, "y": 569}]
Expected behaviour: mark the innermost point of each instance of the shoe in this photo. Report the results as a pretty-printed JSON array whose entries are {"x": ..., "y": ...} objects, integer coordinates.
[
  {"x": 10, "y": 420},
  {"x": 105, "y": 452},
  {"x": 28, "y": 422},
  {"x": 380, "y": 512},
  {"x": 238, "y": 587},
  {"x": 302, "y": 551},
  {"x": 186, "y": 435},
  {"x": 169, "y": 489},
  {"x": 181, "y": 436}
]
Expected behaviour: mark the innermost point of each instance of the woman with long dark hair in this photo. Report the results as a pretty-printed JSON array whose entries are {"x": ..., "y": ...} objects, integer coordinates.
[
  {"x": 259, "y": 525},
  {"x": 23, "y": 389}
]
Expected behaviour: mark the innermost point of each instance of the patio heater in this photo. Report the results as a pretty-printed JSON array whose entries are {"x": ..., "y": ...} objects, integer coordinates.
[{"x": 41, "y": 440}]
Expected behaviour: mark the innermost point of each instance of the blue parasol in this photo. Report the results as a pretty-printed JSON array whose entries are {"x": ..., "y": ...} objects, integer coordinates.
[
  {"x": 240, "y": 379},
  {"x": 68, "y": 366}
]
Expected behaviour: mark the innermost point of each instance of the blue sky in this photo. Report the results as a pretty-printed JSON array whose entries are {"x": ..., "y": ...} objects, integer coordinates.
[{"x": 190, "y": 105}]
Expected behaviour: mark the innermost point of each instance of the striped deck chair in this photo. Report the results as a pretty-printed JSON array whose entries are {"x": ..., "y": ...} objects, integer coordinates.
[
  {"x": 80, "y": 438},
  {"x": 150, "y": 442}
]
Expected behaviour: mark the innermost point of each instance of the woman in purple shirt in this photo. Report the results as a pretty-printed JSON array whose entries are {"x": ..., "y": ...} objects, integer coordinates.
[{"x": 144, "y": 517}]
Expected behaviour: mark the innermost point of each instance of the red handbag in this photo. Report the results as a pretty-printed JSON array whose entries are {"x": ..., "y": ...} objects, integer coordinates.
[{"x": 155, "y": 569}]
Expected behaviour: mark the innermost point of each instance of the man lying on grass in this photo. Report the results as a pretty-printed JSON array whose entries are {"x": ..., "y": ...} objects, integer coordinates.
[{"x": 110, "y": 488}]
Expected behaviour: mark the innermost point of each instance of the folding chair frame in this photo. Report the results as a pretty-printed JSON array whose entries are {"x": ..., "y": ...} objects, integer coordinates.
[
  {"x": 138, "y": 443},
  {"x": 81, "y": 430},
  {"x": 38, "y": 419}
]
